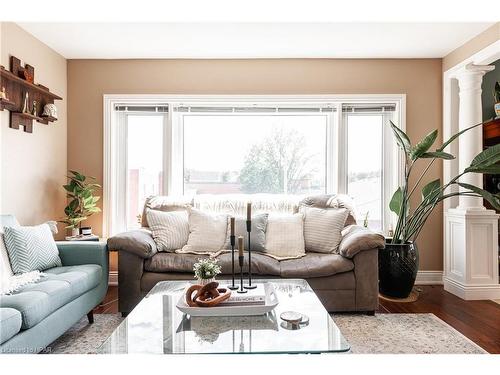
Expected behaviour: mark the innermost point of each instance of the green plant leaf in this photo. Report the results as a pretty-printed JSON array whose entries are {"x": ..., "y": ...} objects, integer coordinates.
[
  {"x": 487, "y": 157},
  {"x": 491, "y": 169},
  {"x": 437, "y": 154},
  {"x": 395, "y": 203},
  {"x": 431, "y": 190},
  {"x": 73, "y": 205},
  {"x": 424, "y": 145},
  {"x": 494, "y": 199},
  {"x": 455, "y": 136},
  {"x": 401, "y": 138}
]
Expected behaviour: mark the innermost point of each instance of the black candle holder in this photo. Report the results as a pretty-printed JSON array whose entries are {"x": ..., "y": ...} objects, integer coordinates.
[
  {"x": 241, "y": 259},
  {"x": 249, "y": 230},
  {"x": 232, "y": 238}
]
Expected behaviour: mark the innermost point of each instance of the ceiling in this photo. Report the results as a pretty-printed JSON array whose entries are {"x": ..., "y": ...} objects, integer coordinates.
[{"x": 253, "y": 40}]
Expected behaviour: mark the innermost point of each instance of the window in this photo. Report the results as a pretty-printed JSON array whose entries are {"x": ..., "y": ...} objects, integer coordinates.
[
  {"x": 226, "y": 154},
  {"x": 144, "y": 164},
  {"x": 364, "y": 166},
  {"x": 204, "y": 145}
]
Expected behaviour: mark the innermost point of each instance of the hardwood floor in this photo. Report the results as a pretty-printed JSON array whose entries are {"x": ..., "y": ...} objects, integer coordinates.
[{"x": 478, "y": 320}]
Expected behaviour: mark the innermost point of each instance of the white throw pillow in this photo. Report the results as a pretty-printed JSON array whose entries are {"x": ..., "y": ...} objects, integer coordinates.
[
  {"x": 208, "y": 233},
  {"x": 323, "y": 227},
  {"x": 285, "y": 236},
  {"x": 170, "y": 230}
]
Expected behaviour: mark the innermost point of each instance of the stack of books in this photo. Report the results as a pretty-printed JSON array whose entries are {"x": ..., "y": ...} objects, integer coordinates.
[
  {"x": 253, "y": 297},
  {"x": 83, "y": 237}
]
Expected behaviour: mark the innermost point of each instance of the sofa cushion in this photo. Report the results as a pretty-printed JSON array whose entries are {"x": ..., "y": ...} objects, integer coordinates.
[
  {"x": 258, "y": 236},
  {"x": 60, "y": 285},
  {"x": 10, "y": 323},
  {"x": 322, "y": 228},
  {"x": 285, "y": 236},
  {"x": 315, "y": 265},
  {"x": 170, "y": 230},
  {"x": 311, "y": 265},
  {"x": 332, "y": 201},
  {"x": 208, "y": 233},
  {"x": 31, "y": 248}
]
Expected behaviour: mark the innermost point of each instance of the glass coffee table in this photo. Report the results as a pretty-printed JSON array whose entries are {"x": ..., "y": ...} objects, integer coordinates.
[{"x": 157, "y": 326}]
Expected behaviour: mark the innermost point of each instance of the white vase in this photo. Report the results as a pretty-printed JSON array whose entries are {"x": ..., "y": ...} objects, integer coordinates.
[
  {"x": 75, "y": 232},
  {"x": 205, "y": 281}
]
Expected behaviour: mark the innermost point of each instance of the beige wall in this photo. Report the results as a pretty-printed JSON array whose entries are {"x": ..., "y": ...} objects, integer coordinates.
[
  {"x": 476, "y": 44},
  {"x": 33, "y": 166},
  {"x": 88, "y": 80}
]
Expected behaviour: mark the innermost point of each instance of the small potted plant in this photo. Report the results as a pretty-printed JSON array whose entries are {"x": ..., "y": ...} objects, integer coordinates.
[
  {"x": 80, "y": 189},
  {"x": 496, "y": 97},
  {"x": 205, "y": 270}
]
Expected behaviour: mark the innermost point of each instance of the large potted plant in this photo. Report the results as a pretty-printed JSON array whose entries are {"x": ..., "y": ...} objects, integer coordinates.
[
  {"x": 398, "y": 262},
  {"x": 83, "y": 203}
]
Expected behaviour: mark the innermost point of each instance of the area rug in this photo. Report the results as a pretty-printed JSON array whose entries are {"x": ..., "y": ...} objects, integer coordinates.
[
  {"x": 403, "y": 334},
  {"x": 382, "y": 333}
]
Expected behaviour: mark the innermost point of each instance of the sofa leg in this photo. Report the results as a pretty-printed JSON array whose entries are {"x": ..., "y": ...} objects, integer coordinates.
[
  {"x": 124, "y": 314},
  {"x": 370, "y": 313},
  {"x": 90, "y": 317}
]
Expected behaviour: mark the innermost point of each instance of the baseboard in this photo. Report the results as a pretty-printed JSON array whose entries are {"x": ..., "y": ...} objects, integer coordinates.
[
  {"x": 429, "y": 278},
  {"x": 113, "y": 278},
  {"x": 472, "y": 292},
  {"x": 423, "y": 278}
]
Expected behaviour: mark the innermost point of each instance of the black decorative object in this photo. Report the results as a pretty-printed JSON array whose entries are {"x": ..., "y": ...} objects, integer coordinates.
[
  {"x": 232, "y": 238},
  {"x": 397, "y": 269},
  {"x": 249, "y": 230},
  {"x": 241, "y": 259}
]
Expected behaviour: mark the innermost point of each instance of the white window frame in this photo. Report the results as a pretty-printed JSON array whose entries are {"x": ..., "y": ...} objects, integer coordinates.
[{"x": 114, "y": 169}]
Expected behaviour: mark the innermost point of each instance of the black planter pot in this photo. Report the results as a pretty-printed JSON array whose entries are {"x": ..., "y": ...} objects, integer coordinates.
[{"x": 397, "y": 269}]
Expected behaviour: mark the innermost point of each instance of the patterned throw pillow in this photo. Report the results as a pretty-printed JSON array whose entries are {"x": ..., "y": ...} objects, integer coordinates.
[
  {"x": 322, "y": 228},
  {"x": 31, "y": 248},
  {"x": 285, "y": 236},
  {"x": 170, "y": 230}
]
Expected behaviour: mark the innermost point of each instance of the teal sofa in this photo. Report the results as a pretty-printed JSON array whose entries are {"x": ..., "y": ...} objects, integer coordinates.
[{"x": 37, "y": 314}]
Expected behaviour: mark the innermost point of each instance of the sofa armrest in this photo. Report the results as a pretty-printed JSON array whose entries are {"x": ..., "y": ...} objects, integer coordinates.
[
  {"x": 138, "y": 242},
  {"x": 356, "y": 238},
  {"x": 73, "y": 253}
]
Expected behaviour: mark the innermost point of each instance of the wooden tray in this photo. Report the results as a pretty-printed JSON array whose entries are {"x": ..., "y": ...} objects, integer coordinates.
[{"x": 224, "y": 310}]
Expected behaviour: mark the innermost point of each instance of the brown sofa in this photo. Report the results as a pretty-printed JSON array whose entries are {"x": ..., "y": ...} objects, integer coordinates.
[{"x": 347, "y": 281}]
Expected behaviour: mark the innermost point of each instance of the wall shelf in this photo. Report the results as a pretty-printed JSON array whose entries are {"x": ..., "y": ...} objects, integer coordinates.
[{"x": 16, "y": 87}]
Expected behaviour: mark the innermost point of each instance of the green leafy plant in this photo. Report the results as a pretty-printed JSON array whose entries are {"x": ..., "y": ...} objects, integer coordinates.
[
  {"x": 410, "y": 222},
  {"x": 80, "y": 189},
  {"x": 206, "y": 269},
  {"x": 496, "y": 92}
]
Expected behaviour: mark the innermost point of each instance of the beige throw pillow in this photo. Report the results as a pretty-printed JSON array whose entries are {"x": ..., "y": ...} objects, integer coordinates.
[
  {"x": 170, "y": 230},
  {"x": 208, "y": 233},
  {"x": 285, "y": 236},
  {"x": 323, "y": 227}
]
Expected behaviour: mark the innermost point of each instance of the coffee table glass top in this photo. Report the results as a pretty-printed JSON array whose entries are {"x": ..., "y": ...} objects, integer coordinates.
[{"x": 157, "y": 326}]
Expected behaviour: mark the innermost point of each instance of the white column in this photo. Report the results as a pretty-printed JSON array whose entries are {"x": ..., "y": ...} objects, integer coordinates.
[
  {"x": 471, "y": 231},
  {"x": 471, "y": 142}
]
